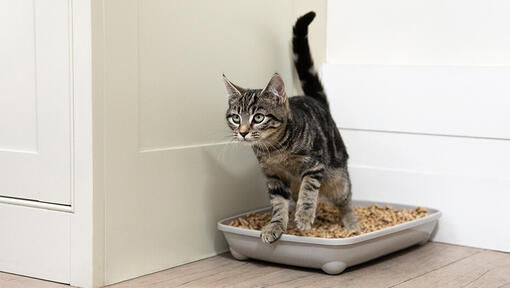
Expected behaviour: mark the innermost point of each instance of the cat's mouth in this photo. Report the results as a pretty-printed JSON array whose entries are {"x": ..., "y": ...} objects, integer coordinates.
[{"x": 247, "y": 141}]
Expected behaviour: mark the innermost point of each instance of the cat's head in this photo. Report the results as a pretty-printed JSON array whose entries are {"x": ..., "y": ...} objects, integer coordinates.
[{"x": 257, "y": 116}]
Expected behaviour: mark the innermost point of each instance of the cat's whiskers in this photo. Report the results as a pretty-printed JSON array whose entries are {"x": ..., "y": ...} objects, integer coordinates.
[{"x": 228, "y": 141}]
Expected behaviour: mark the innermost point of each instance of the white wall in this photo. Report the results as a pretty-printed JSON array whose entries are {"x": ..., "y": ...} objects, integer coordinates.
[
  {"x": 423, "y": 116},
  {"x": 419, "y": 32}
]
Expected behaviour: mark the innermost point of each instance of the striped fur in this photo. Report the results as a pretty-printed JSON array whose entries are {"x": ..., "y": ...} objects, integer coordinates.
[{"x": 296, "y": 142}]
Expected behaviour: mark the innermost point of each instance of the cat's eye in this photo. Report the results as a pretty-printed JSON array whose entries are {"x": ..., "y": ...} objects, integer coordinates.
[
  {"x": 236, "y": 119},
  {"x": 258, "y": 118}
]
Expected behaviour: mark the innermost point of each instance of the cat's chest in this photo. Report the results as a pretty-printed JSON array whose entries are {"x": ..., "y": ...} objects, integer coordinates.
[{"x": 284, "y": 162}]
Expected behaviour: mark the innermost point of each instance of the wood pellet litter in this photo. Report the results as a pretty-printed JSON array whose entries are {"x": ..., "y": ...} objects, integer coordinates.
[{"x": 327, "y": 222}]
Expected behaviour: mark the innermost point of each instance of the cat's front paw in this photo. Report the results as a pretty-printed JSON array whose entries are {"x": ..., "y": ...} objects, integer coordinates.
[
  {"x": 271, "y": 232},
  {"x": 304, "y": 218}
]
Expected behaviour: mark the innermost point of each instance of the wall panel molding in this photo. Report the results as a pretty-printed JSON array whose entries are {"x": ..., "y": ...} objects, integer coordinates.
[{"x": 447, "y": 100}]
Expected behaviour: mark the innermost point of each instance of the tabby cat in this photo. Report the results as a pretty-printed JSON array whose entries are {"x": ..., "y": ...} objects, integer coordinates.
[{"x": 296, "y": 142}]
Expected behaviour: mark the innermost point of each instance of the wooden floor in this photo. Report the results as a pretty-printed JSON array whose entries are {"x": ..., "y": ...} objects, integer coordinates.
[{"x": 433, "y": 265}]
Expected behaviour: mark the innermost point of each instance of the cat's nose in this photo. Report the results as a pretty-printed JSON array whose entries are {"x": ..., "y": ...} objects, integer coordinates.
[{"x": 243, "y": 133}]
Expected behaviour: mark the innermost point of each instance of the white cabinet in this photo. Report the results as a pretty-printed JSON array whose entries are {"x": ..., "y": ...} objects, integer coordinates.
[{"x": 45, "y": 139}]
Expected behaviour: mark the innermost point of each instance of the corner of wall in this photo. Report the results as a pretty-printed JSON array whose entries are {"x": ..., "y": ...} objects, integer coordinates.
[{"x": 98, "y": 142}]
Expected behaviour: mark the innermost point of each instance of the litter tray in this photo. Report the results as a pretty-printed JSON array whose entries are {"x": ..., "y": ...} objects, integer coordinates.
[{"x": 331, "y": 255}]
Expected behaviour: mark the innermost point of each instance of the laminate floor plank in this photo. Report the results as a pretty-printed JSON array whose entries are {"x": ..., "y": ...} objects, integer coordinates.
[
  {"x": 8, "y": 280},
  {"x": 484, "y": 269},
  {"x": 399, "y": 267},
  {"x": 182, "y": 274}
]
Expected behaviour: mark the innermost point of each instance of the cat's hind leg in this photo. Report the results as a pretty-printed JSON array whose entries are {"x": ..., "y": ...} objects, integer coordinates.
[
  {"x": 308, "y": 196},
  {"x": 338, "y": 191}
]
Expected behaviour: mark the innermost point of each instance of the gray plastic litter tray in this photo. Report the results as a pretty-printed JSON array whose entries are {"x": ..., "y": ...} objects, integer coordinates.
[{"x": 330, "y": 255}]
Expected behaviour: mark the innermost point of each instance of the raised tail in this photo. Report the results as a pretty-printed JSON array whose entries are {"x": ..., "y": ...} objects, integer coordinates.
[{"x": 308, "y": 76}]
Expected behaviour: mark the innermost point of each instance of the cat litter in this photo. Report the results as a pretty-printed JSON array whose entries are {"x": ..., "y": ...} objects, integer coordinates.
[
  {"x": 385, "y": 228},
  {"x": 327, "y": 222}
]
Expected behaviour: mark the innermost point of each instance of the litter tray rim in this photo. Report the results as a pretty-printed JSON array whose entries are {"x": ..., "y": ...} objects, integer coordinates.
[{"x": 434, "y": 215}]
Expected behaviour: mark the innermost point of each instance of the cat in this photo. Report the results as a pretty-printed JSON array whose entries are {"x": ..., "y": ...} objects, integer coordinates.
[{"x": 296, "y": 142}]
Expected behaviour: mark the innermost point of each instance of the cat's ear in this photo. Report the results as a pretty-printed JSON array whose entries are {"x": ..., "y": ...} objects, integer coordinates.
[
  {"x": 275, "y": 89},
  {"x": 232, "y": 90}
]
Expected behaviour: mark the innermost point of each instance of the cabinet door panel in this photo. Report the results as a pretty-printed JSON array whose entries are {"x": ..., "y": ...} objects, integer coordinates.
[{"x": 35, "y": 100}]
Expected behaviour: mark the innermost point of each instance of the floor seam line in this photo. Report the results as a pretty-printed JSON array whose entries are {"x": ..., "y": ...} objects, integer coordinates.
[
  {"x": 441, "y": 267},
  {"x": 477, "y": 278}
]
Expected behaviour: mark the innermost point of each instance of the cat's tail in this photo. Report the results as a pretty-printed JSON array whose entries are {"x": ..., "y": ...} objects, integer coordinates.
[{"x": 308, "y": 76}]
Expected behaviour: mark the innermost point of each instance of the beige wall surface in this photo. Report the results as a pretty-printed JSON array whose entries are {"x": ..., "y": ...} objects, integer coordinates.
[{"x": 167, "y": 170}]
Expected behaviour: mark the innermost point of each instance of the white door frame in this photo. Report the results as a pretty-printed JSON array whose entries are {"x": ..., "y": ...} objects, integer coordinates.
[{"x": 86, "y": 266}]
